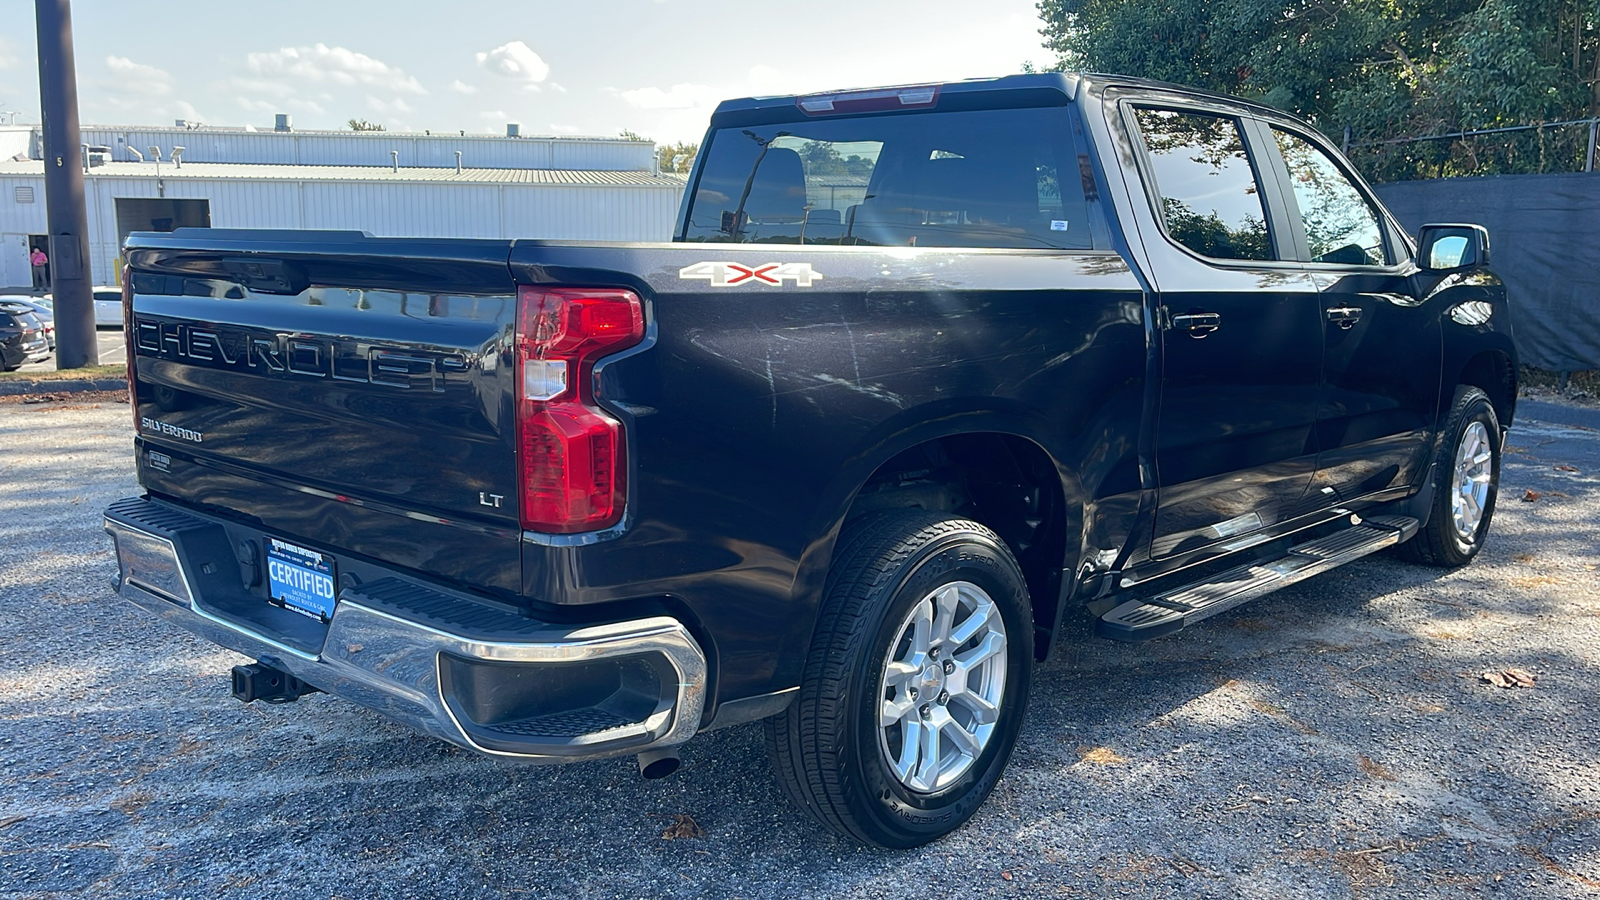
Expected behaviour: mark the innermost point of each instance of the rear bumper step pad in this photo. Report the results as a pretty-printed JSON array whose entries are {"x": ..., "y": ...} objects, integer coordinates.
[{"x": 1141, "y": 620}]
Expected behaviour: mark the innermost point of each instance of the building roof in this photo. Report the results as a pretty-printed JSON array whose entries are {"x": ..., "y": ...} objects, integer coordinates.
[
  {"x": 386, "y": 174},
  {"x": 269, "y": 131}
]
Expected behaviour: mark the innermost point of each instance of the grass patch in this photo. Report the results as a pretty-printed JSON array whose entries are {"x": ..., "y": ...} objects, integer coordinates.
[{"x": 87, "y": 372}]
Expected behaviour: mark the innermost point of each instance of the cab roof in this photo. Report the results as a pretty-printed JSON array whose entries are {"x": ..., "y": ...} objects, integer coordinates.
[{"x": 1034, "y": 89}]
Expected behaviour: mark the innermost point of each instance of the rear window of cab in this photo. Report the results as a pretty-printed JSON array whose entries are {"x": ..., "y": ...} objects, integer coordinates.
[{"x": 1004, "y": 178}]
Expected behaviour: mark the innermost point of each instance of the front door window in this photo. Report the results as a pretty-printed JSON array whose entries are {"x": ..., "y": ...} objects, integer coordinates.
[{"x": 1341, "y": 226}]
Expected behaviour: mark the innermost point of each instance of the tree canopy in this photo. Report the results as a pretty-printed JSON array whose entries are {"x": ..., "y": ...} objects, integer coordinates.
[
  {"x": 678, "y": 157},
  {"x": 822, "y": 158},
  {"x": 1384, "y": 68}
]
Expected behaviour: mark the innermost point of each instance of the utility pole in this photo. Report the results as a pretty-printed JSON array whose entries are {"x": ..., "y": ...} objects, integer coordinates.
[{"x": 76, "y": 344}]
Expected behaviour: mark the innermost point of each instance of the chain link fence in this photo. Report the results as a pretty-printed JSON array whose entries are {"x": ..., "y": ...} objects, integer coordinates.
[
  {"x": 1526, "y": 183},
  {"x": 1538, "y": 149}
]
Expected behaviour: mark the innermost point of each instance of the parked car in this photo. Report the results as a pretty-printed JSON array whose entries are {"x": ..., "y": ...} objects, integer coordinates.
[
  {"x": 22, "y": 338},
  {"x": 39, "y": 307},
  {"x": 107, "y": 305},
  {"x": 925, "y": 372}
]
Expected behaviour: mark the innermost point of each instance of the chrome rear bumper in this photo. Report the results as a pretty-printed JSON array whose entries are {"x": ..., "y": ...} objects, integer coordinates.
[{"x": 497, "y": 684}]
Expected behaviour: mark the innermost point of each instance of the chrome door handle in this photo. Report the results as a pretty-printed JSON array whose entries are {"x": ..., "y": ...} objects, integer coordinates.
[
  {"x": 1345, "y": 317},
  {"x": 1197, "y": 324}
]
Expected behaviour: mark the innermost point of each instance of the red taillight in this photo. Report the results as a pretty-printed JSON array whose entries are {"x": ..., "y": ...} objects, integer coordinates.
[{"x": 571, "y": 454}]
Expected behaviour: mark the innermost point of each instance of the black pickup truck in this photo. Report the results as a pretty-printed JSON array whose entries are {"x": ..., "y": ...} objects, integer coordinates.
[{"x": 925, "y": 374}]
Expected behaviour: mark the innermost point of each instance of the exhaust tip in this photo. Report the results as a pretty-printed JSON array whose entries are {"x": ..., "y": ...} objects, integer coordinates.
[{"x": 659, "y": 763}]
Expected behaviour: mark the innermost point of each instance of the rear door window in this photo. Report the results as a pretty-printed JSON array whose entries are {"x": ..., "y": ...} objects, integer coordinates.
[
  {"x": 1209, "y": 192},
  {"x": 1341, "y": 225},
  {"x": 983, "y": 178}
]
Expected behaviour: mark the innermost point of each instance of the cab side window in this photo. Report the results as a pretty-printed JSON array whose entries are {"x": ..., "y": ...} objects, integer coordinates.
[
  {"x": 1210, "y": 195},
  {"x": 1341, "y": 226}
]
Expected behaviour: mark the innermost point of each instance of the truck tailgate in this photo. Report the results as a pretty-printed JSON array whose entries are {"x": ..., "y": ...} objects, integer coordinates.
[{"x": 349, "y": 393}]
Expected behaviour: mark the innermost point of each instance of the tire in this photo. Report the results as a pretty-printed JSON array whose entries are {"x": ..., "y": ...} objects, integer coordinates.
[
  {"x": 893, "y": 577},
  {"x": 1458, "y": 522}
]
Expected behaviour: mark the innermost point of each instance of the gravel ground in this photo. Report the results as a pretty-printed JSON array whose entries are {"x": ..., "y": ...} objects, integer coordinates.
[{"x": 1331, "y": 740}]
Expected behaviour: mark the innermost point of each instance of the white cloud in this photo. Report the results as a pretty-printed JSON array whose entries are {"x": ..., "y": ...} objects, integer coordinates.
[
  {"x": 461, "y": 87},
  {"x": 565, "y": 129},
  {"x": 516, "y": 61},
  {"x": 680, "y": 96},
  {"x": 338, "y": 65},
  {"x": 8, "y": 55},
  {"x": 766, "y": 79},
  {"x": 278, "y": 105},
  {"x": 397, "y": 105},
  {"x": 187, "y": 110},
  {"x": 131, "y": 90},
  {"x": 558, "y": 88},
  {"x": 254, "y": 105},
  {"x": 495, "y": 115},
  {"x": 130, "y": 77},
  {"x": 261, "y": 86}
]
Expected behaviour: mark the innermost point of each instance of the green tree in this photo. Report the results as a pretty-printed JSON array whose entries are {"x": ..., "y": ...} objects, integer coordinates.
[
  {"x": 1384, "y": 68},
  {"x": 679, "y": 157},
  {"x": 823, "y": 158},
  {"x": 364, "y": 125}
]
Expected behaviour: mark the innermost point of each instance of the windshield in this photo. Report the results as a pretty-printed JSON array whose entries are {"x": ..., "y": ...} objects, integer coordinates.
[{"x": 985, "y": 178}]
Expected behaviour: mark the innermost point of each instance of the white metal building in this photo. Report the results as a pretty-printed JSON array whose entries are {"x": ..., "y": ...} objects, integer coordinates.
[
  {"x": 367, "y": 148},
  {"x": 506, "y": 187}
]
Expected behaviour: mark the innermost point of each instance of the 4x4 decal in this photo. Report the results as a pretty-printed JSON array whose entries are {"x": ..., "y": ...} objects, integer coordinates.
[{"x": 727, "y": 274}]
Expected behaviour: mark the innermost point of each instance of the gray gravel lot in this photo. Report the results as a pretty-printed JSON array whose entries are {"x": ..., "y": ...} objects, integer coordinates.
[{"x": 1331, "y": 740}]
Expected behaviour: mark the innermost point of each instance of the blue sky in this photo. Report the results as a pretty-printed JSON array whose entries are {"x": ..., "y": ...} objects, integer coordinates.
[{"x": 656, "y": 67}]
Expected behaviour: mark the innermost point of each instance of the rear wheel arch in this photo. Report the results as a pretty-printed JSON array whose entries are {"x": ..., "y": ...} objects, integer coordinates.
[{"x": 1003, "y": 479}]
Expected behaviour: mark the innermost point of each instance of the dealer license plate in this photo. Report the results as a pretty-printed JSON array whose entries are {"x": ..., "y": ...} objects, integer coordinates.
[{"x": 300, "y": 580}]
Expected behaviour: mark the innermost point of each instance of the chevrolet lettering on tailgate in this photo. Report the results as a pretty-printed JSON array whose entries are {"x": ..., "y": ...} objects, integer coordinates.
[{"x": 288, "y": 355}]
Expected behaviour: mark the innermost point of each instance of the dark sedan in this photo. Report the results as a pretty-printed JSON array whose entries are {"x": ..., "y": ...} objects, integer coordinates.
[
  {"x": 38, "y": 306},
  {"x": 22, "y": 339}
]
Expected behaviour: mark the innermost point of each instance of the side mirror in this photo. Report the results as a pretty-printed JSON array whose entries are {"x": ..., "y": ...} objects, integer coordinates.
[{"x": 1447, "y": 248}]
